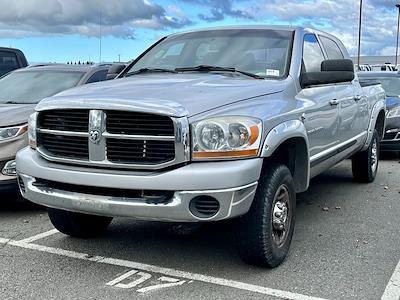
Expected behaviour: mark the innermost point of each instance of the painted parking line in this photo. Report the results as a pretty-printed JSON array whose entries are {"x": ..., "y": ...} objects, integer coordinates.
[
  {"x": 156, "y": 269},
  {"x": 39, "y": 236},
  {"x": 392, "y": 291}
]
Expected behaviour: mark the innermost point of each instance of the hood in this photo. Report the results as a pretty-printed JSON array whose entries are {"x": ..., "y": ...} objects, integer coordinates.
[
  {"x": 15, "y": 114},
  {"x": 171, "y": 94}
]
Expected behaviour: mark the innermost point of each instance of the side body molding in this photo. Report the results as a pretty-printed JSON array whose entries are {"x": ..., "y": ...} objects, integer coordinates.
[
  {"x": 378, "y": 107},
  {"x": 295, "y": 131}
]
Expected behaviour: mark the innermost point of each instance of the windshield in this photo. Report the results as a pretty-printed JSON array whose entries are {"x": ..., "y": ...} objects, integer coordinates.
[
  {"x": 33, "y": 86},
  {"x": 391, "y": 85},
  {"x": 262, "y": 52}
]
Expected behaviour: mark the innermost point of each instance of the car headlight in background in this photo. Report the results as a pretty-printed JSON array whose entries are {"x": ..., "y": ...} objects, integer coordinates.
[
  {"x": 12, "y": 132},
  {"x": 32, "y": 130},
  {"x": 226, "y": 137},
  {"x": 393, "y": 113}
]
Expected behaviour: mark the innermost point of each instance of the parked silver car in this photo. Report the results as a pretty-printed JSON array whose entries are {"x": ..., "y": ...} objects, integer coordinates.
[{"x": 20, "y": 91}]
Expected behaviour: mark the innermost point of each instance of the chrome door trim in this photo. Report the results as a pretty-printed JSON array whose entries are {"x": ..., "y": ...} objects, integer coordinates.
[{"x": 329, "y": 151}]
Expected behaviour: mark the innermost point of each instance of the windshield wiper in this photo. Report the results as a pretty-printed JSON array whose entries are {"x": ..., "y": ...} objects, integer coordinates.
[
  {"x": 11, "y": 102},
  {"x": 150, "y": 70},
  {"x": 207, "y": 68}
]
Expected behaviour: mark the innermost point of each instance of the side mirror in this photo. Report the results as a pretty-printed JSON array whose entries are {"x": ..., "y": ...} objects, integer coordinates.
[
  {"x": 332, "y": 71},
  {"x": 114, "y": 71}
]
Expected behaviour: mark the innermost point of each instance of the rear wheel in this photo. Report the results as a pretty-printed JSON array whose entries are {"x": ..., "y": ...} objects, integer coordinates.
[
  {"x": 264, "y": 234},
  {"x": 365, "y": 163},
  {"x": 77, "y": 224}
]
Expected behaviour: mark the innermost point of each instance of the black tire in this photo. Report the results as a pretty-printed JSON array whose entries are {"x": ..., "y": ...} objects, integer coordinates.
[
  {"x": 257, "y": 236},
  {"x": 77, "y": 224},
  {"x": 365, "y": 163}
]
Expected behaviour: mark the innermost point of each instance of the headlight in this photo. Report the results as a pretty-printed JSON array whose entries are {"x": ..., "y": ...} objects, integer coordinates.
[
  {"x": 12, "y": 132},
  {"x": 394, "y": 112},
  {"x": 32, "y": 130},
  {"x": 226, "y": 137}
]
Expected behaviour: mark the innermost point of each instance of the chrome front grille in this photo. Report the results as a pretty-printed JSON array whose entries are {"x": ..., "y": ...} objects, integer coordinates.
[{"x": 108, "y": 138}]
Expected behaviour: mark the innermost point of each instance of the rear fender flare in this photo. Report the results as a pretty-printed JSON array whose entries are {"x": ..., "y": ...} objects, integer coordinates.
[{"x": 378, "y": 107}]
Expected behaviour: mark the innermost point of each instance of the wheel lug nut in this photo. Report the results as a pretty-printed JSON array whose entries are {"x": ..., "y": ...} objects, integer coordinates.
[{"x": 278, "y": 214}]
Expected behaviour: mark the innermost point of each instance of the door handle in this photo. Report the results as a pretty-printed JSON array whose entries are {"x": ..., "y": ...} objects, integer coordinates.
[
  {"x": 357, "y": 98},
  {"x": 334, "y": 102}
]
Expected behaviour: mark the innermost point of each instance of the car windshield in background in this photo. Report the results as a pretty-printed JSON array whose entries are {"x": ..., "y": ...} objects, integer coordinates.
[
  {"x": 33, "y": 86},
  {"x": 391, "y": 85},
  {"x": 265, "y": 53}
]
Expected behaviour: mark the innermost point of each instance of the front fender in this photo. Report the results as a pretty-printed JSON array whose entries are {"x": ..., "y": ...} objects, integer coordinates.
[
  {"x": 292, "y": 132},
  {"x": 281, "y": 133}
]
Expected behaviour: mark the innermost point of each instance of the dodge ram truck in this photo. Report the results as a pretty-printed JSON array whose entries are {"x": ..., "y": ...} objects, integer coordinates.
[{"x": 204, "y": 126}]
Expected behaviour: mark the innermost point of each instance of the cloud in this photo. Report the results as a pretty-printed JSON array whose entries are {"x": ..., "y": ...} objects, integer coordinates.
[
  {"x": 125, "y": 18},
  {"x": 340, "y": 17},
  {"x": 388, "y": 51},
  {"x": 219, "y": 9},
  {"x": 119, "y": 18}
]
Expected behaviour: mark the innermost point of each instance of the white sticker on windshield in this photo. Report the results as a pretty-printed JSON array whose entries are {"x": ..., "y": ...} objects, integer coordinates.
[{"x": 272, "y": 72}]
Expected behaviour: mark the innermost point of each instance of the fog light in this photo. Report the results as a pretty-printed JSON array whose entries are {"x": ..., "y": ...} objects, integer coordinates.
[{"x": 10, "y": 168}]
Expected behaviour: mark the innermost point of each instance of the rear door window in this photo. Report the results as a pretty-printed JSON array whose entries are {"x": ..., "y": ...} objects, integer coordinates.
[{"x": 332, "y": 49}]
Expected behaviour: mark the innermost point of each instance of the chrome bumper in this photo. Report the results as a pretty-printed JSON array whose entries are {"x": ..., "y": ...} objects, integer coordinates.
[{"x": 232, "y": 184}]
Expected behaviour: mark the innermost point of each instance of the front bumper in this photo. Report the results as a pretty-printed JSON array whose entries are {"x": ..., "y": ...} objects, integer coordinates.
[{"x": 231, "y": 183}]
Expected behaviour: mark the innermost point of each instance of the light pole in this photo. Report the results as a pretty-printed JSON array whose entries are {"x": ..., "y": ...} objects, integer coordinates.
[
  {"x": 397, "y": 42},
  {"x": 359, "y": 35}
]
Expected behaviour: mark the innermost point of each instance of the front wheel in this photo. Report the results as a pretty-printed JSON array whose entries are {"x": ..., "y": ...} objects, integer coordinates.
[
  {"x": 264, "y": 234},
  {"x": 77, "y": 224},
  {"x": 365, "y": 163}
]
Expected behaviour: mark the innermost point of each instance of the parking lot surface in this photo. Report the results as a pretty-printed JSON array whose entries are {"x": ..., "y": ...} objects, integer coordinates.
[{"x": 346, "y": 245}]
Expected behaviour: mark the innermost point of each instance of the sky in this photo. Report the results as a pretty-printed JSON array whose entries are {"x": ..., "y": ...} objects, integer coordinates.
[{"x": 69, "y": 30}]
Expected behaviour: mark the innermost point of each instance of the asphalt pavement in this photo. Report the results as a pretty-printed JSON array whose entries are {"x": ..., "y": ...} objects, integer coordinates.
[{"x": 346, "y": 245}]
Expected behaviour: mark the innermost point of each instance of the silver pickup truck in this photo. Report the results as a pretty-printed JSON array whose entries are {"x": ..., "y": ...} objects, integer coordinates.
[{"x": 205, "y": 125}]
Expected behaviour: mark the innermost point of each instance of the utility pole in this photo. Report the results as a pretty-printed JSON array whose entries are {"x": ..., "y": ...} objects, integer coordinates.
[
  {"x": 119, "y": 57},
  {"x": 397, "y": 42},
  {"x": 359, "y": 35}
]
